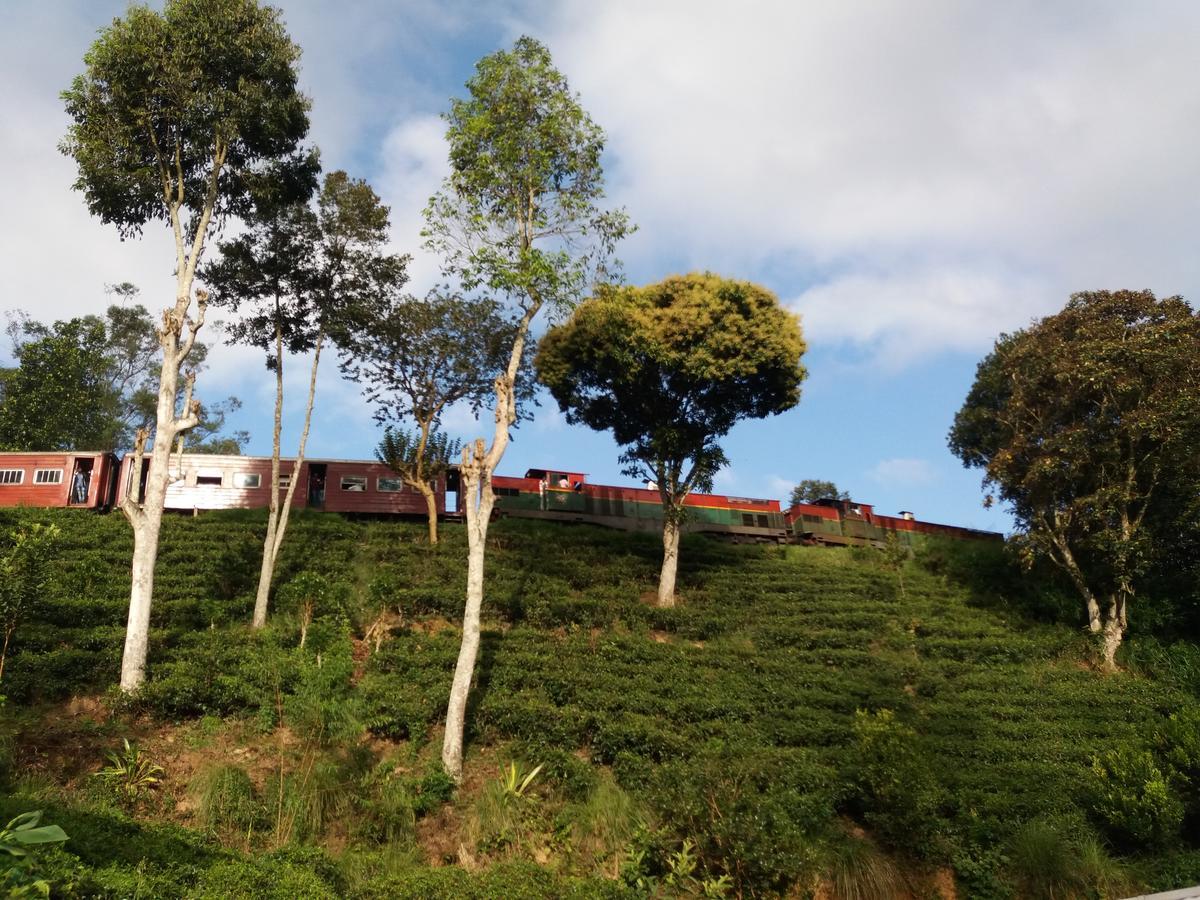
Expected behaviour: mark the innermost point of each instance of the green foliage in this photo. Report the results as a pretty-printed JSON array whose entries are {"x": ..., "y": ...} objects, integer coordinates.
[
  {"x": 1133, "y": 799},
  {"x": 130, "y": 774},
  {"x": 754, "y": 814},
  {"x": 671, "y": 367},
  {"x": 518, "y": 213},
  {"x": 24, "y": 573},
  {"x": 1081, "y": 422},
  {"x": 170, "y": 99},
  {"x": 1057, "y": 860},
  {"x": 416, "y": 357},
  {"x": 18, "y": 873},
  {"x": 58, "y": 397},
  {"x": 893, "y": 791},
  {"x": 228, "y": 801},
  {"x": 810, "y": 490},
  {"x": 1178, "y": 749}
]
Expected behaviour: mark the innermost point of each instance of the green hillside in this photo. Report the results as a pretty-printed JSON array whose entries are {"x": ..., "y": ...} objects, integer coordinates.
[{"x": 808, "y": 720}]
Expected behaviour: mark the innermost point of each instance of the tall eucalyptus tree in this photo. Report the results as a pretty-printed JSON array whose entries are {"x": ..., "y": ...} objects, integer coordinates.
[{"x": 173, "y": 112}]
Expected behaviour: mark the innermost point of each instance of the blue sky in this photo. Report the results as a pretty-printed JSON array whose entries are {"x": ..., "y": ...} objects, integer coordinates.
[{"x": 912, "y": 177}]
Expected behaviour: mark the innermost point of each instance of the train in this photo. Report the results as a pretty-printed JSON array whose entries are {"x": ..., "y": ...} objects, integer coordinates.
[{"x": 100, "y": 480}]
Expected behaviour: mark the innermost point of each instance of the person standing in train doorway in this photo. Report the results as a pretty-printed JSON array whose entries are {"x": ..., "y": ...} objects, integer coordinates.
[
  {"x": 79, "y": 486},
  {"x": 542, "y": 492}
]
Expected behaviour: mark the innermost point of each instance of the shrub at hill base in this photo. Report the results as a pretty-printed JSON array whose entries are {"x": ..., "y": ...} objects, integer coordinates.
[{"x": 754, "y": 814}]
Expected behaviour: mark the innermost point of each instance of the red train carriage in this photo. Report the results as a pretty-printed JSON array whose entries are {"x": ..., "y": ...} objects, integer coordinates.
[
  {"x": 561, "y": 495},
  {"x": 83, "y": 479},
  {"x": 203, "y": 481}
]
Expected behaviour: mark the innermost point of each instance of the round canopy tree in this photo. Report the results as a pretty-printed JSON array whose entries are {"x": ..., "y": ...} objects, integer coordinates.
[
  {"x": 1080, "y": 422},
  {"x": 669, "y": 369}
]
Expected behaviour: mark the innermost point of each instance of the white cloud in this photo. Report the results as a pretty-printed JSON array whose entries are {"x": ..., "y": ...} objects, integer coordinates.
[
  {"x": 414, "y": 163},
  {"x": 778, "y": 486},
  {"x": 937, "y": 171},
  {"x": 903, "y": 472}
]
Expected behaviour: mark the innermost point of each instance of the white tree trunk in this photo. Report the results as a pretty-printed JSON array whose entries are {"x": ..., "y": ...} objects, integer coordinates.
[
  {"x": 478, "y": 466},
  {"x": 1115, "y": 624},
  {"x": 670, "y": 563},
  {"x": 278, "y": 514},
  {"x": 146, "y": 518},
  {"x": 177, "y": 337}
]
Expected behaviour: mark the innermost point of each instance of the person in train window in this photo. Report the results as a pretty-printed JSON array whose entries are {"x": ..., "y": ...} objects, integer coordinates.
[{"x": 562, "y": 482}]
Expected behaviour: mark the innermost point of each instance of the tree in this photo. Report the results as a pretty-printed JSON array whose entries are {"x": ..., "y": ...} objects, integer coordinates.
[
  {"x": 517, "y": 216},
  {"x": 292, "y": 275},
  {"x": 88, "y": 384},
  {"x": 1079, "y": 421},
  {"x": 59, "y": 397},
  {"x": 24, "y": 571},
  {"x": 415, "y": 358},
  {"x": 172, "y": 118},
  {"x": 669, "y": 369},
  {"x": 810, "y": 490}
]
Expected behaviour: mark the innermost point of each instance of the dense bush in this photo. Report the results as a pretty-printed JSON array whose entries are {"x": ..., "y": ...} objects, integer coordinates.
[
  {"x": 754, "y": 814},
  {"x": 893, "y": 790},
  {"x": 1133, "y": 800}
]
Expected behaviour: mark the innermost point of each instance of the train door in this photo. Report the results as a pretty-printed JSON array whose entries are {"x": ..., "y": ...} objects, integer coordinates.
[
  {"x": 453, "y": 486},
  {"x": 79, "y": 491},
  {"x": 316, "y": 485}
]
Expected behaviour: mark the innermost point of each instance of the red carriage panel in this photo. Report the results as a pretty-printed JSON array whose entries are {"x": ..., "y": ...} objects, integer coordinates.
[
  {"x": 82, "y": 480},
  {"x": 367, "y": 487}
]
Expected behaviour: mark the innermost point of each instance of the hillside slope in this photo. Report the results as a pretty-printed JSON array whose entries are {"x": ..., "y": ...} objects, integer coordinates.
[{"x": 806, "y": 715}]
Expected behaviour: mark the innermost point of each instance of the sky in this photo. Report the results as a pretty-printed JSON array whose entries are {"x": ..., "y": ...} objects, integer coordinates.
[{"x": 912, "y": 177}]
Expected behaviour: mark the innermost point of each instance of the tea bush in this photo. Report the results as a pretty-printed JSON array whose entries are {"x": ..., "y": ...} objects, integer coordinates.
[{"x": 1133, "y": 800}]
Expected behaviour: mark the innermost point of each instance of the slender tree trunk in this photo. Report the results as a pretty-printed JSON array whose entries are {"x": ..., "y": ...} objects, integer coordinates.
[
  {"x": 146, "y": 517},
  {"x": 431, "y": 509},
  {"x": 670, "y": 563},
  {"x": 8, "y": 633},
  {"x": 277, "y": 516},
  {"x": 476, "y": 480},
  {"x": 146, "y": 520},
  {"x": 267, "y": 568},
  {"x": 1067, "y": 561}
]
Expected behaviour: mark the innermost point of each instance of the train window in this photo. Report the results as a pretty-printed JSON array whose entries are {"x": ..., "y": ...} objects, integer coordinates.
[
  {"x": 47, "y": 476},
  {"x": 762, "y": 522},
  {"x": 748, "y": 519},
  {"x": 354, "y": 482},
  {"x": 213, "y": 479},
  {"x": 247, "y": 480},
  {"x": 506, "y": 492},
  {"x": 12, "y": 476},
  {"x": 285, "y": 482},
  {"x": 389, "y": 485}
]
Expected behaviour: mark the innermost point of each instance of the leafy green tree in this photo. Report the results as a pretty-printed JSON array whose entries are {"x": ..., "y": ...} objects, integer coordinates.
[
  {"x": 24, "y": 572},
  {"x": 88, "y": 383},
  {"x": 291, "y": 276},
  {"x": 810, "y": 490},
  {"x": 174, "y": 118},
  {"x": 414, "y": 359},
  {"x": 59, "y": 397},
  {"x": 670, "y": 368},
  {"x": 1079, "y": 422},
  {"x": 519, "y": 217}
]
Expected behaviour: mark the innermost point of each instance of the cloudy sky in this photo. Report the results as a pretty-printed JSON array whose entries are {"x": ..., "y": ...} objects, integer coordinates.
[{"x": 912, "y": 177}]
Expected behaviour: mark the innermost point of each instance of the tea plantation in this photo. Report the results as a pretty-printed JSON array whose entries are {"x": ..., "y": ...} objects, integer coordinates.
[{"x": 808, "y": 722}]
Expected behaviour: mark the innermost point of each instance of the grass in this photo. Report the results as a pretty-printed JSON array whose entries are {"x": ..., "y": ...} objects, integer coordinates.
[{"x": 766, "y": 664}]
